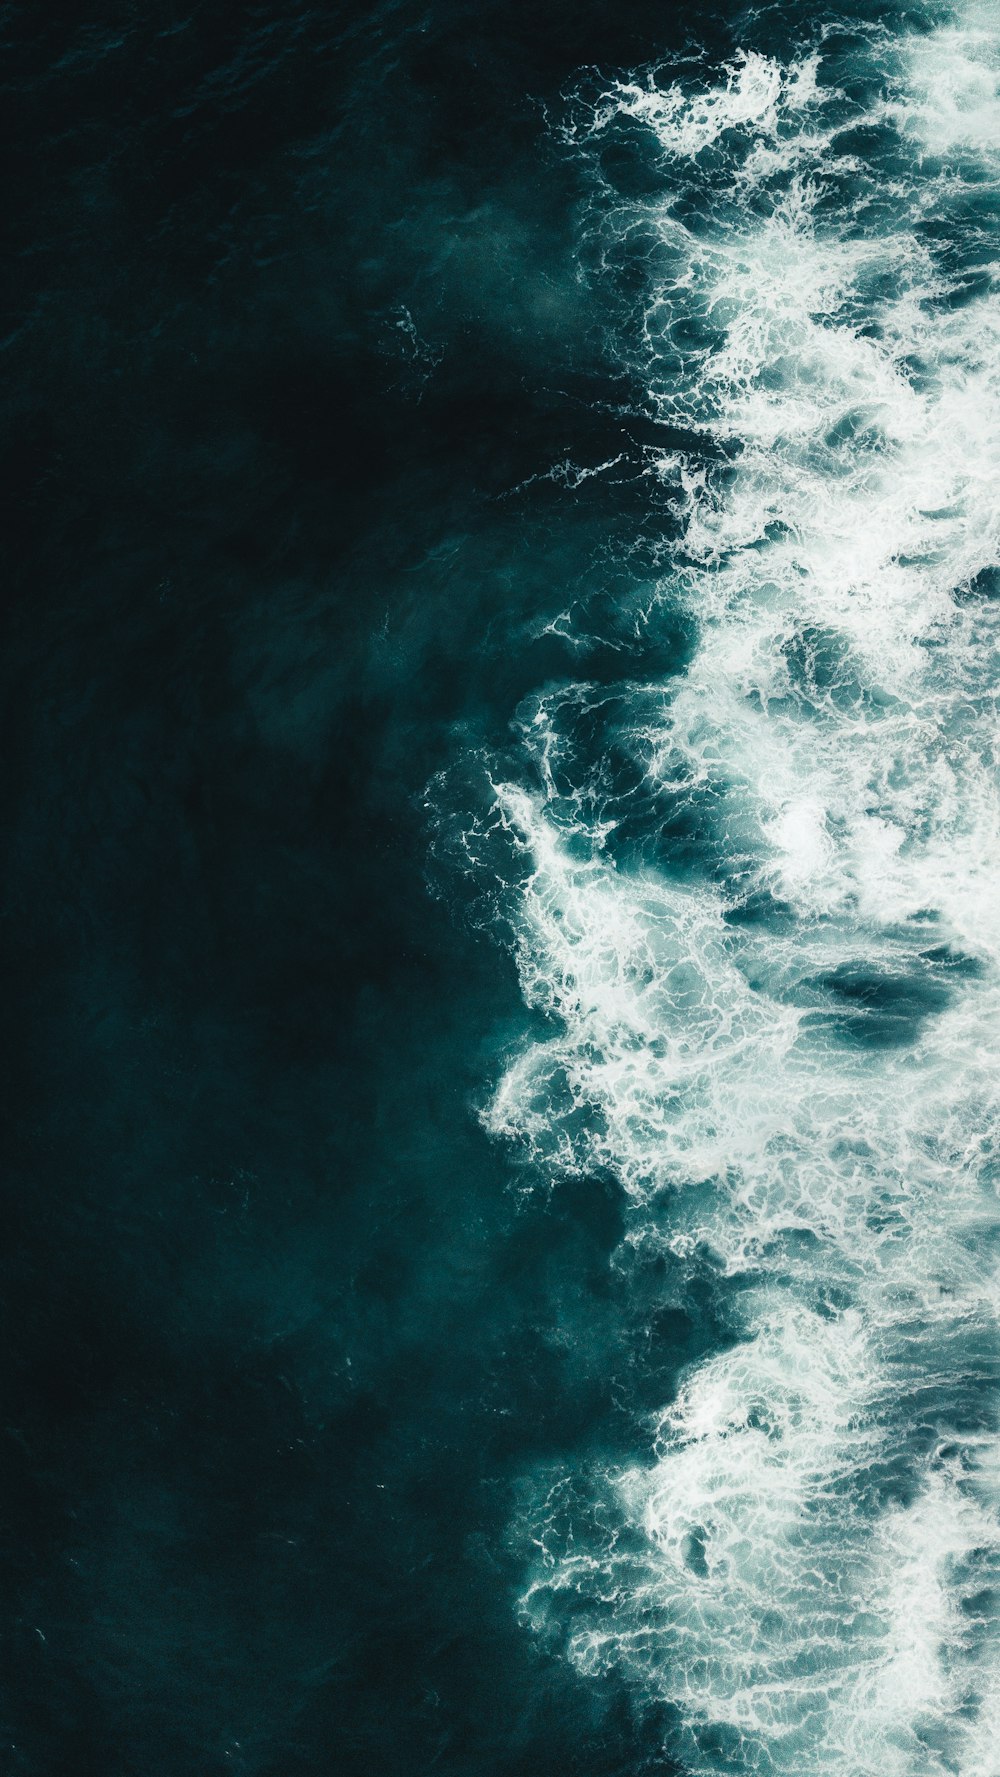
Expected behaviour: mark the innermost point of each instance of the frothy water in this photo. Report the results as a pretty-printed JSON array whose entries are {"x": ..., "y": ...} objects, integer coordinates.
[{"x": 756, "y": 908}]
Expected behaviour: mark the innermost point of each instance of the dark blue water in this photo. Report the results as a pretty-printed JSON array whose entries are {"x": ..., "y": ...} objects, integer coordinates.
[
  {"x": 291, "y": 301},
  {"x": 501, "y": 963}
]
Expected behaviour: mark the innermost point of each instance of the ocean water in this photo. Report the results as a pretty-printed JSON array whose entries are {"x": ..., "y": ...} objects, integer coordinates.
[{"x": 501, "y": 939}]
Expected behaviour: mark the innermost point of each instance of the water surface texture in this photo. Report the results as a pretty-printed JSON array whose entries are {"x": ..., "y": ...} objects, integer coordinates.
[
  {"x": 501, "y": 930},
  {"x": 754, "y": 906}
]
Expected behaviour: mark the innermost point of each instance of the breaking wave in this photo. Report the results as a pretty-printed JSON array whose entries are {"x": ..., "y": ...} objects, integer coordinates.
[{"x": 756, "y": 906}]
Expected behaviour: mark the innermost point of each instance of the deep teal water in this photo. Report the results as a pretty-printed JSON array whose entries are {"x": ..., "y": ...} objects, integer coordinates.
[
  {"x": 278, "y": 1337},
  {"x": 500, "y": 962}
]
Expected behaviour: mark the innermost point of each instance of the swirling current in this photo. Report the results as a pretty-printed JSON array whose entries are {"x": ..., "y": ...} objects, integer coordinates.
[{"x": 753, "y": 900}]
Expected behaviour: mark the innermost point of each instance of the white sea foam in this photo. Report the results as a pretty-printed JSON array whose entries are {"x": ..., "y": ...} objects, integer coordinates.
[{"x": 805, "y": 1102}]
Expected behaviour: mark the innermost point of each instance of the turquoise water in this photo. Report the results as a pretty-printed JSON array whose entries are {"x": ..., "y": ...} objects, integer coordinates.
[{"x": 501, "y": 938}]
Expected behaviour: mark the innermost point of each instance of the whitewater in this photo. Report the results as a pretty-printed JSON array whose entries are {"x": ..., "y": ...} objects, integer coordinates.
[{"x": 754, "y": 907}]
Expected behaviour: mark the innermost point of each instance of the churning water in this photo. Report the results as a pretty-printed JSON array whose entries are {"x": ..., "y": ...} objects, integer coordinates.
[{"x": 753, "y": 901}]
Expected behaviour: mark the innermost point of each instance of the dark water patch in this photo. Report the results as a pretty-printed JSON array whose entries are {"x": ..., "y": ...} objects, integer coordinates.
[
  {"x": 953, "y": 961},
  {"x": 876, "y": 1009},
  {"x": 760, "y": 907},
  {"x": 984, "y": 585}
]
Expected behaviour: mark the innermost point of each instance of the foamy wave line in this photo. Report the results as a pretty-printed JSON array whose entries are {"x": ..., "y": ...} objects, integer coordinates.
[{"x": 787, "y": 1054}]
